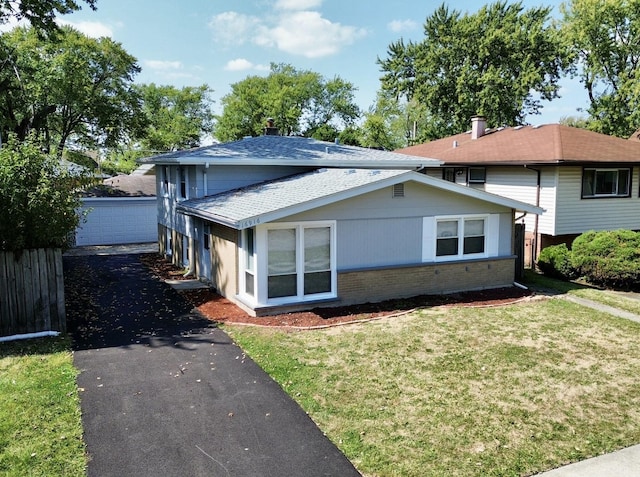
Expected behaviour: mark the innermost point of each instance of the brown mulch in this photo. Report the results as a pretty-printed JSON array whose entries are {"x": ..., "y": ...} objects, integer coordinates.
[{"x": 219, "y": 309}]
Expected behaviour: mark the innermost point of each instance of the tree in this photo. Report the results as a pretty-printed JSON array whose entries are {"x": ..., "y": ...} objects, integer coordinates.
[
  {"x": 604, "y": 37},
  {"x": 299, "y": 101},
  {"x": 500, "y": 62},
  {"x": 38, "y": 197},
  {"x": 73, "y": 88},
  {"x": 40, "y": 13},
  {"x": 177, "y": 118}
]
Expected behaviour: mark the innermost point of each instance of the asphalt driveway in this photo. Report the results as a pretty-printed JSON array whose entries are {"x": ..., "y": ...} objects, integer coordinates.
[{"x": 164, "y": 392}]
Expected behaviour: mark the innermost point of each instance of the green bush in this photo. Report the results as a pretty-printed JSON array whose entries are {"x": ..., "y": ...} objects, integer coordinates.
[
  {"x": 608, "y": 258},
  {"x": 555, "y": 261}
]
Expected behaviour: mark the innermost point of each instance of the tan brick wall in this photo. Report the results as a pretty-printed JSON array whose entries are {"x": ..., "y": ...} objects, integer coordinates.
[{"x": 377, "y": 285}]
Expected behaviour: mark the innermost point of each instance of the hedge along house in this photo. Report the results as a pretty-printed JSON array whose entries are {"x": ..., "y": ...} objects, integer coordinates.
[{"x": 292, "y": 223}]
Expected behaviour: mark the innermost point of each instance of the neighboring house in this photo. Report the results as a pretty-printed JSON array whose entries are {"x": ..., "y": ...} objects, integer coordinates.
[
  {"x": 284, "y": 223},
  {"x": 121, "y": 210},
  {"x": 583, "y": 180}
]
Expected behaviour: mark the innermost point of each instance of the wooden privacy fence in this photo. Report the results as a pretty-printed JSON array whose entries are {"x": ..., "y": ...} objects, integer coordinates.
[{"x": 31, "y": 292}]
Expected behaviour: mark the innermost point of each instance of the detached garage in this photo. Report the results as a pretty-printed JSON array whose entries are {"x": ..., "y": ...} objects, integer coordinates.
[{"x": 121, "y": 210}]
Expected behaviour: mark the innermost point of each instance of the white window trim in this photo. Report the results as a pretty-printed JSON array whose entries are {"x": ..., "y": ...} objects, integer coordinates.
[
  {"x": 429, "y": 237},
  {"x": 179, "y": 171},
  {"x": 261, "y": 265}
]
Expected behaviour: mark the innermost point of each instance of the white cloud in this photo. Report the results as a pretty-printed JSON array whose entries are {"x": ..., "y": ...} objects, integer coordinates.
[
  {"x": 233, "y": 27},
  {"x": 162, "y": 65},
  {"x": 297, "y": 4},
  {"x": 241, "y": 64},
  {"x": 399, "y": 26},
  {"x": 91, "y": 29},
  {"x": 308, "y": 34}
]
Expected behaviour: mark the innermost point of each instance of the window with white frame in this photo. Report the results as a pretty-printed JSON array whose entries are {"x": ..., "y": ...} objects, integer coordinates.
[
  {"x": 477, "y": 175},
  {"x": 182, "y": 183},
  {"x": 296, "y": 262},
  {"x": 249, "y": 247},
  {"x": 164, "y": 177},
  {"x": 606, "y": 182},
  {"x": 461, "y": 237}
]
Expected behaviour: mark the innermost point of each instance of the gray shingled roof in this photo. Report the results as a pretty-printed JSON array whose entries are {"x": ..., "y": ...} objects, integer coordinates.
[
  {"x": 268, "y": 201},
  {"x": 289, "y": 150}
]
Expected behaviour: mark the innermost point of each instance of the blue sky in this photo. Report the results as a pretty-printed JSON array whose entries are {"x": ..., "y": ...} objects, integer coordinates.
[{"x": 221, "y": 42}]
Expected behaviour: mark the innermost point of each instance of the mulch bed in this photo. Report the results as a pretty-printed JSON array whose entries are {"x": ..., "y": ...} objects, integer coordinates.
[{"x": 219, "y": 309}]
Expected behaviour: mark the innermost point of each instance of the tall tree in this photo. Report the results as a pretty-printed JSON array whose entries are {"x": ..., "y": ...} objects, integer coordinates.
[
  {"x": 177, "y": 118},
  {"x": 500, "y": 62},
  {"x": 299, "y": 101},
  {"x": 604, "y": 36},
  {"x": 40, "y": 13},
  {"x": 71, "y": 88}
]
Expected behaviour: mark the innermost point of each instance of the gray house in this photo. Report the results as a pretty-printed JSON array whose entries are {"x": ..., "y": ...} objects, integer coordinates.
[{"x": 283, "y": 223}]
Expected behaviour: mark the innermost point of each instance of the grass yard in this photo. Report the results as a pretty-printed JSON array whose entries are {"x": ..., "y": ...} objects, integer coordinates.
[
  {"x": 40, "y": 421},
  {"x": 506, "y": 391}
]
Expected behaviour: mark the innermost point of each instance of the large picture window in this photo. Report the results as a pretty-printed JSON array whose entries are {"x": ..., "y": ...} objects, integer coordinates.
[
  {"x": 285, "y": 263},
  {"x": 606, "y": 182}
]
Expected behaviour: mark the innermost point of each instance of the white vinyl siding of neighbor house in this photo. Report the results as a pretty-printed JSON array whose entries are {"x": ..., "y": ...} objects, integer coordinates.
[
  {"x": 519, "y": 183},
  {"x": 377, "y": 230},
  {"x": 575, "y": 215}
]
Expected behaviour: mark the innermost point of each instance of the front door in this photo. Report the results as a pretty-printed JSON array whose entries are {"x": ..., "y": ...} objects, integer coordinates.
[{"x": 205, "y": 254}]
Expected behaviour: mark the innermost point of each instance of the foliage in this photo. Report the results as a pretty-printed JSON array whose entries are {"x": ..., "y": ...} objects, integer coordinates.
[
  {"x": 555, "y": 261},
  {"x": 464, "y": 391},
  {"x": 38, "y": 198},
  {"x": 500, "y": 62},
  {"x": 40, "y": 419},
  {"x": 71, "y": 88},
  {"x": 603, "y": 36},
  {"x": 608, "y": 258},
  {"x": 177, "y": 118},
  {"x": 299, "y": 101},
  {"x": 40, "y": 13}
]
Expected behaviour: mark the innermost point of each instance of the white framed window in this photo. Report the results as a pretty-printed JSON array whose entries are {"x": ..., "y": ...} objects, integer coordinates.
[
  {"x": 289, "y": 262},
  {"x": 477, "y": 175},
  {"x": 460, "y": 237},
  {"x": 164, "y": 181},
  {"x": 183, "y": 183},
  {"x": 606, "y": 182}
]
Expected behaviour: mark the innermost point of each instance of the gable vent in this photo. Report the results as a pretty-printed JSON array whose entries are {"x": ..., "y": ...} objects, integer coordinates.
[{"x": 398, "y": 190}]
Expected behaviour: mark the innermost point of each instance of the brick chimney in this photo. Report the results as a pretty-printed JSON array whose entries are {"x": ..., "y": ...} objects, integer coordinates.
[
  {"x": 270, "y": 129},
  {"x": 478, "y": 126}
]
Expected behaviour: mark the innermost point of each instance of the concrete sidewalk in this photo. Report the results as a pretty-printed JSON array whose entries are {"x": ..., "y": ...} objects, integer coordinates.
[
  {"x": 623, "y": 463},
  {"x": 165, "y": 392}
]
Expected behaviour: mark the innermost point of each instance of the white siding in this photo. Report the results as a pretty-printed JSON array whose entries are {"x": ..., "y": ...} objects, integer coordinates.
[
  {"x": 121, "y": 220},
  {"x": 520, "y": 183},
  {"x": 576, "y": 215}
]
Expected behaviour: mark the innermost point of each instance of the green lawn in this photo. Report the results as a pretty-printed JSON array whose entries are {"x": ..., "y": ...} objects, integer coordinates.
[
  {"x": 40, "y": 421},
  {"x": 504, "y": 391}
]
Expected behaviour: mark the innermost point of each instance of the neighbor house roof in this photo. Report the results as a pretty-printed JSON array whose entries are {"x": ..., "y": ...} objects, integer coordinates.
[
  {"x": 273, "y": 200},
  {"x": 124, "y": 186},
  {"x": 290, "y": 150},
  {"x": 546, "y": 144}
]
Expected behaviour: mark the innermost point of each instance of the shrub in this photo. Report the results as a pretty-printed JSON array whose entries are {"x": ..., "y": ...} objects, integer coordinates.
[
  {"x": 555, "y": 261},
  {"x": 608, "y": 258}
]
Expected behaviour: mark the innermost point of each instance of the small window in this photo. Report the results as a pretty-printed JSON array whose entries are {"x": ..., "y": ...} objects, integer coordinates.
[
  {"x": 477, "y": 175},
  {"x": 398, "y": 190},
  {"x": 182, "y": 182},
  {"x": 165, "y": 181},
  {"x": 609, "y": 182},
  {"x": 450, "y": 231}
]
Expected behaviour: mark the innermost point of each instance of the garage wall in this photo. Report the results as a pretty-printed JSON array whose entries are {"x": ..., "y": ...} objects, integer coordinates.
[{"x": 121, "y": 220}]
